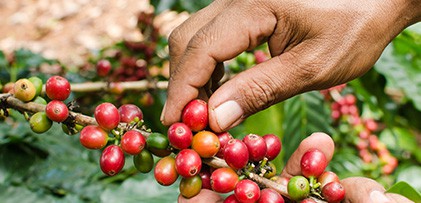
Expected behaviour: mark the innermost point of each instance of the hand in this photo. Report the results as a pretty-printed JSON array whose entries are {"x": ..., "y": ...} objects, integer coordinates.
[
  {"x": 357, "y": 189},
  {"x": 314, "y": 45}
]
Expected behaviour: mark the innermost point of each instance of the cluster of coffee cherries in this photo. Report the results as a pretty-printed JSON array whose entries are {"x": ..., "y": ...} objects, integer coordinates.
[
  {"x": 194, "y": 145},
  {"x": 57, "y": 89},
  {"x": 344, "y": 110},
  {"x": 315, "y": 181}
]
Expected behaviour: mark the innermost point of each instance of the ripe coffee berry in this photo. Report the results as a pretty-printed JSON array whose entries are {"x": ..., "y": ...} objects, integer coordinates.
[
  {"x": 224, "y": 180},
  {"x": 205, "y": 175},
  {"x": 256, "y": 146},
  {"x": 247, "y": 191},
  {"x": 57, "y": 111},
  {"x": 327, "y": 177},
  {"x": 195, "y": 115},
  {"x": 188, "y": 163},
  {"x": 274, "y": 146},
  {"x": 24, "y": 90},
  {"x": 133, "y": 142},
  {"x": 164, "y": 172},
  {"x": 206, "y": 144},
  {"x": 112, "y": 160},
  {"x": 180, "y": 135},
  {"x": 313, "y": 163},
  {"x": 93, "y": 137},
  {"x": 333, "y": 192},
  {"x": 236, "y": 154},
  {"x": 231, "y": 199},
  {"x": 107, "y": 116},
  {"x": 269, "y": 195},
  {"x": 57, "y": 88},
  {"x": 129, "y": 112},
  {"x": 223, "y": 140},
  {"x": 103, "y": 67}
]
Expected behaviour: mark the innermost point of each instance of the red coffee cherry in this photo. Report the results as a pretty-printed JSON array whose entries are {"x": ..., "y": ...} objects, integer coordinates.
[
  {"x": 188, "y": 163},
  {"x": 308, "y": 200},
  {"x": 269, "y": 195},
  {"x": 133, "y": 142},
  {"x": 274, "y": 146},
  {"x": 236, "y": 154},
  {"x": 93, "y": 137},
  {"x": 231, "y": 199},
  {"x": 107, "y": 116},
  {"x": 256, "y": 146},
  {"x": 313, "y": 163},
  {"x": 165, "y": 173},
  {"x": 223, "y": 140},
  {"x": 247, "y": 191},
  {"x": 112, "y": 160},
  {"x": 205, "y": 175},
  {"x": 333, "y": 192},
  {"x": 57, "y": 111},
  {"x": 128, "y": 113},
  {"x": 195, "y": 115},
  {"x": 327, "y": 177},
  {"x": 180, "y": 135},
  {"x": 57, "y": 88},
  {"x": 224, "y": 180},
  {"x": 206, "y": 144},
  {"x": 103, "y": 67}
]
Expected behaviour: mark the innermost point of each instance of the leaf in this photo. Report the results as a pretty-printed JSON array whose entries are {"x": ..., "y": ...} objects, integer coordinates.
[
  {"x": 399, "y": 139},
  {"x": 406, "y": 190},
  {"x": 346, "y": 163},
  {"x": 304, "y": 115},
  {"x": 411, "y": 175}
]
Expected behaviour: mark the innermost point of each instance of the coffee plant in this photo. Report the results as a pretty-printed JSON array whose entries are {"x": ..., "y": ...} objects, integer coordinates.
[{"x": 94, "y": 135}]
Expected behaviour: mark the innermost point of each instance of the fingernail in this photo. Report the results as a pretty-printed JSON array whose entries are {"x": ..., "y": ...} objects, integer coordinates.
[
  {"x": 163, "y": 113},
  {"x": 378, "y": 197},
  {"x": 227, "y": 113}
]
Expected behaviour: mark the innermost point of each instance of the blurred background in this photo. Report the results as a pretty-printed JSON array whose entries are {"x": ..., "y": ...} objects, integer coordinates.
[{"x": 374, "y": 120}]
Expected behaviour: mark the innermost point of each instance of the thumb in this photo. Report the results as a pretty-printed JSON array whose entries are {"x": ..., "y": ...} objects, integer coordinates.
[{"x": 258, "y": 88}]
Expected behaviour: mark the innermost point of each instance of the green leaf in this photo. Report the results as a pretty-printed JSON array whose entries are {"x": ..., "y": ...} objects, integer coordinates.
[
  {"x": 399, "y": 139},
  {"x": 406, "y": 190},
  {"x": 304, "y": 115},
  {"x": 411, "y": 175}
]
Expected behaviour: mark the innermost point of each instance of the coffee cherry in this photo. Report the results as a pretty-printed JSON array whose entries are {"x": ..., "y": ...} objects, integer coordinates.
[
  {"x": 57, "y": 111},
  {"x": 205, "y": 175},
  {"x": 180, "y": 135},
  {"x": 164, "y": 172},
  {"x": 224, "y": 180},
  {"x": 247, "y": 191},
  {"x": 206, "y": 144},
  {"x": 24, "y": 90},
  {"x": 39, "y": 100},
  {"x": 107, "y": 116},
  {"x": 333, "y": 192},
  {"x": 313, "y": 163},
  {"x": 223, "y": 140},
  {"x": 129, "y": 112},
  {"x": 231, "y": 199},
  {"x": 103, "y": 67},
  {"x": 188, "y": 163},
  {"x": 327, "y": 177},
  {"x": 236, "y": 154},
  {"x": 308, "y": 200},
  {"x": 298, "y": 188},
  {"x": 157, "y": 141},
  {"x": 93, "y": 137},
  {"x": 57, "y": 88},
  {"x": 272, "y": 172},
  {"x": 190, "y": 187},
  {"x": 40, "y": 123},
  {"x": 269, "y": 195},
  {"x": 112, "y": 160},
  {"x": 256, "y": 146},
  {"x": 274, "y": 146},
  {"x": 8, "y": 87},
  {"x": 37, "y": 82},
  {"x": 195, "y": 115},
  {"x": 143, "y": 161},
  {"x": 133, "y": 142}
]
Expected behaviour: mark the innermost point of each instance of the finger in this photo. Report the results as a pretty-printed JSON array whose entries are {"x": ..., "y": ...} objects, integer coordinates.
[
  {"x": 320, "y": 141},
  {"x": 205, "y": 196},
  {"x": 359, "y": 189},
  {"x": 208, "y": 47}
]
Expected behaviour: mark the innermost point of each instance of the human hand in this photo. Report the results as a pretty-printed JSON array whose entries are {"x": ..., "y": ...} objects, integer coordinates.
[
  {"x": 314, "y": 45},
  {"x": 357, "y": 189}
]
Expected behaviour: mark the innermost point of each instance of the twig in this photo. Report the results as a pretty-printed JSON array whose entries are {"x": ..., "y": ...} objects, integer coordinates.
[{"x": 125, "y": 86}]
